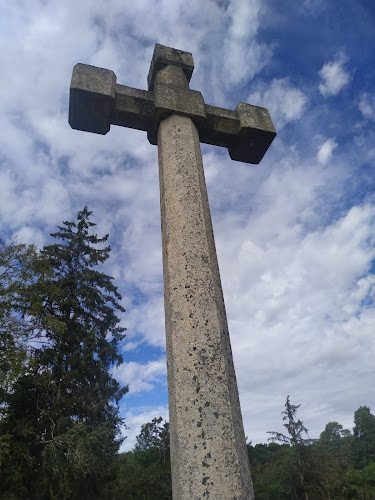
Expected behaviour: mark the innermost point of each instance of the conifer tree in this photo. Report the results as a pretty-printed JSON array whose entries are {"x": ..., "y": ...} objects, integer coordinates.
[
  {"x": 295, "y": 439},
  {"x": 63, "y": 415}
]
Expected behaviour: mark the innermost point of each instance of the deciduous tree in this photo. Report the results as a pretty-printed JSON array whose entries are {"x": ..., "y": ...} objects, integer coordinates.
[{"x": 364, "y": 434}]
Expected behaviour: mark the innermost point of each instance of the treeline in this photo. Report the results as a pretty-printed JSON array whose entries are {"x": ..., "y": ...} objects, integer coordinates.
[
  {"x": 339, "y": 465},
  {"x": 145, "y": 472}
]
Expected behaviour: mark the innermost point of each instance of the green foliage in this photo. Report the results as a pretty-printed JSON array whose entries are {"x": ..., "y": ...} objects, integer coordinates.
[
  {"x": 333, "y": 433},
  {"x": 361, "y": 483},
  {"x": 154, "y": 437},
  {"x": 18, "y": 264},
  {"x": 145, "y": 473},
  {"x": 74, "y": 461},
  {"x": 61, "y": 424},
  {"x": 327, "y": 465},
  {"x": 295, "y": 428},
  {"x": 323, "y": 469},
  {"x": 295, "y": 439},
  {"x": 274, "y": 471},
  {"x": 364, "y": 434}
]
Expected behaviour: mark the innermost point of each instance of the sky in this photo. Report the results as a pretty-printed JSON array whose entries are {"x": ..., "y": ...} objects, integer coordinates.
[{"x": 295, "y": 235}]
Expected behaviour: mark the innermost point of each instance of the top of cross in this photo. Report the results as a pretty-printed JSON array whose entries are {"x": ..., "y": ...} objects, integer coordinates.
[{"x": 97, "y": 101}]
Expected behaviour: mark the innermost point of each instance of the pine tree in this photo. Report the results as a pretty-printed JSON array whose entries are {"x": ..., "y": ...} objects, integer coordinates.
[
  {"x": 295, "y": 439},
  {"x": 63, "y": 414}
]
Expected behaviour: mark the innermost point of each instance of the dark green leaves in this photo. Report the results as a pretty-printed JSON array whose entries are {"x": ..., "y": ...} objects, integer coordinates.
[{"x": 60, "y": 420}]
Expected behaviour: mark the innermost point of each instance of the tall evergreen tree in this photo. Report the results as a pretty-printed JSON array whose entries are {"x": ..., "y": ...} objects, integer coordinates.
[
  {"x": 296, "y": 430},
  {"x": 364, "y": 433},
  {"x": 63, "y": 415}
]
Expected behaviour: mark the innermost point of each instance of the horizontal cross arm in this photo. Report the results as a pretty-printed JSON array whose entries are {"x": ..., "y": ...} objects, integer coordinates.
[
  {"x": 97, "y": 101},
  {"x": 246, "y": 132},
  {"x": 133, "y": 108}
]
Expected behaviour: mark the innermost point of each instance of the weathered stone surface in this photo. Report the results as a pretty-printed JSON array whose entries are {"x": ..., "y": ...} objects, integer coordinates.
[
  {"x": 167, "y": 56},
  {"x": 209, "y": 459},
  {"x": 256, "y": 133},
  {"x": 133, "y": 108},
  {"x": 92, "y": 96},
  {"x": 172, "y": 76},
  {"x": 208, "y": 450},
  {"x": 173, "y": 100},
  {"x": 96, "y": 102},
  {"x": 173, "y": 96},
  {"x": 221, "y": 127}
]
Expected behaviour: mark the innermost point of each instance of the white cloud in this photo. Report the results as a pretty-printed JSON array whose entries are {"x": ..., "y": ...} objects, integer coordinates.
[
  {"x": 145, "y": 321},
  {"x": 285, "y": 102},
  {"x": 129, "y": 346},
  {"x": 325, "y": 151},
  {"x": 367, "y": 106},
  {"x": 299, "y": 302},
  {"x": 135, "y": 419},
  {"x": 334, "y": 76},
  {"x": 244, "y": 56},
  {"x": 141, "y": 376}
]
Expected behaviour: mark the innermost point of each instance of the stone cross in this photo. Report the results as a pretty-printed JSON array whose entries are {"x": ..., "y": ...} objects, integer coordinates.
[{"x": 208, "y": 449}]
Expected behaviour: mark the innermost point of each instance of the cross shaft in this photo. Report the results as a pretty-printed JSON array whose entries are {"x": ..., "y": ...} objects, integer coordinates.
[{"x": 208, "y": 449}]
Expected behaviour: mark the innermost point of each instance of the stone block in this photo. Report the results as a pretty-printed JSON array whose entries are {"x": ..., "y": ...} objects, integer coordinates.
[
  {"x": 252, "y": 148},
  {"x": 255, "y": 136},
  {"x": 163, "y": 56},
  {"x": 133, "y": 108},
  {"x": 254, "y": 117},
  {"x": 186, "y": 102},
  {"x": 221, "y": 127},
  {"x": 92, "y": 97},
  {"x": 222, "y": 120},
  {"x": 176, "y": 100}
]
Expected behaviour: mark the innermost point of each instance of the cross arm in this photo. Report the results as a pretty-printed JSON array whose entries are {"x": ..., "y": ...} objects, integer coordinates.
[
  {"x": 247, "y": 131},
  {"x": 133, "y": 108},
  {"x": 97, "y": 101}
]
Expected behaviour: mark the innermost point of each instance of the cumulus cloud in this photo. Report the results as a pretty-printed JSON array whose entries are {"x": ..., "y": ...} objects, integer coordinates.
[
  {"x": 244, "y": 56},
  {"x": 325, "y": 151},
  {"x": 145, "y": 320},
  {"x": 285, "y": 102},
  {"x": 334, "y": 76},
  {"x": 141, "y": 376},
  {"x": 367, "y": 106},
  {"x": 306, "y": 297}
]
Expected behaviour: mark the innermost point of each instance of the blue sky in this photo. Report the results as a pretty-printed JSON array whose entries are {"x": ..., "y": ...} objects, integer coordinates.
[{"x": 295, "y": 235}]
